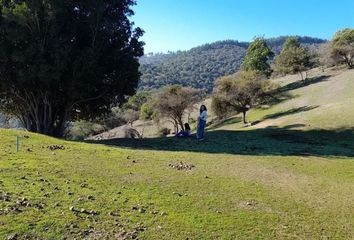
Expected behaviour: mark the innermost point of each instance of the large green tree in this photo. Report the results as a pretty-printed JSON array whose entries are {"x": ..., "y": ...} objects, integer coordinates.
[
  {"x": 294, "y": 58},
  {"x": 257, "y": 57},
  {"x": 343, "y": 46},
  {"x": 62, "y": 60}
]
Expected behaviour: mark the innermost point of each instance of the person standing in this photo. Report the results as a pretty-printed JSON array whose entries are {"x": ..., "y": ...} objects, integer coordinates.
[{"x": 202, "y": 122}]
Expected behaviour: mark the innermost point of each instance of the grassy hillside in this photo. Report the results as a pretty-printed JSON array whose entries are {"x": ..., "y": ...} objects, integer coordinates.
[
  {"x": 136, "y": 192},
  {"x": 324, "y": 101},
  {"x": 288, "y": 177}
]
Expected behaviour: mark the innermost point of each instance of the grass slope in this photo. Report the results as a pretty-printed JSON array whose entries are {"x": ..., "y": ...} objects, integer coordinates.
[
  {"x": 324, "y": 101},
  {"x": 293, "y": 181}
]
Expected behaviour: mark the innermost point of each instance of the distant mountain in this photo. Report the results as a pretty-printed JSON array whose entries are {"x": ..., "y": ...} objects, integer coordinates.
[{"x": 199, "y": 67}]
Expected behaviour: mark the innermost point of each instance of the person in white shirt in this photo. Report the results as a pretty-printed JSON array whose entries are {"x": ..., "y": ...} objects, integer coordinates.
[{"x": 202, "y": 122}]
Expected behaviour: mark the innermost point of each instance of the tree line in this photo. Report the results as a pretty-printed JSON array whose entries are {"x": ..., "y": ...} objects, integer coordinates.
[{"x": 201, "y": 66}]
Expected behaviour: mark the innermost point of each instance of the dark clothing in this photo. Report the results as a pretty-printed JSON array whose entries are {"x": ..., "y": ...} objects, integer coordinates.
[
  {"x": 200, "y": 129},
  {"x": 183, "y": 134}
]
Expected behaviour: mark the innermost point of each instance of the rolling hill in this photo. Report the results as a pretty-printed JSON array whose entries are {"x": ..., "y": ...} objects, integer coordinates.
[
  {"x": 288, "y": 176},
  {"x": 200, "y": 66}
]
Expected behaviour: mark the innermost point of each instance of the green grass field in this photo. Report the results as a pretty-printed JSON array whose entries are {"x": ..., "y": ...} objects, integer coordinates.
[{"x": 290, "y": 176}]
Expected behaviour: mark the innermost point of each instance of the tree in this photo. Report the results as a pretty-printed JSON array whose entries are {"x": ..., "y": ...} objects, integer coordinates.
[
  {"x": 66, "y": 60},
  {"x": 324, "y": 55},
  {"x": 294, "y": 58},
  {"x": 146, "y": 111},
  {"x": 343, "y": 46},
  {"x": 239, "y": 93},
  {"x": 136, "y": 101},
  {"x": 173, "y": 102},
  {"x": 257, "y": 57},
  {"x": 130, "y": 116},
  {"x": 127, "y": 112}
]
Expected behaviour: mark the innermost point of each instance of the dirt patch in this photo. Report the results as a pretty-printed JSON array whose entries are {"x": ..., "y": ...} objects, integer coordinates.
[
  {"x": 56, "y": 147},
  {"x": 181, "y": 166}
]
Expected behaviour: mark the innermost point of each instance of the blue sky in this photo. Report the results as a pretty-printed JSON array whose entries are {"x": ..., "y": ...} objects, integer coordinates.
[{"x": 183, "y": 24}]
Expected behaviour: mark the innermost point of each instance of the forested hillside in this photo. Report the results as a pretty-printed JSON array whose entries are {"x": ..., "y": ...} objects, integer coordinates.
[{"x": 200, "y": 66}]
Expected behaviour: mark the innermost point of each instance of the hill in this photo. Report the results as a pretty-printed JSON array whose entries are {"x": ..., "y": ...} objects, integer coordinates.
[
  {"x": 200, "y": 66},
  {"x": 288, "y": 176},
  {"x": 324, "y": 101}
]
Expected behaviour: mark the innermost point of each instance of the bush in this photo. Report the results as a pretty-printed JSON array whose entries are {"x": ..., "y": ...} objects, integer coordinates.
[
  {"x": 112, "y": 120},
  {"x": 146, "y": 112},
  {"x": 130, "y": 116},
  {"x": 83, "y": 129},
  {"x": 220, "y": 108},
  {"x": 164, "y": 131},
  {"x": 173, "y": 102},
  {"x": 239, "y": 93}
]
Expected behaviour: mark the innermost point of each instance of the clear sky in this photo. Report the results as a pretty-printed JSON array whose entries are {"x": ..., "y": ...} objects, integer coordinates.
[{"x": 183, "y": 24}]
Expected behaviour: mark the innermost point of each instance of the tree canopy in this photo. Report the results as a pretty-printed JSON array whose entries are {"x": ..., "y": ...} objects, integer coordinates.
[
  {"x": 343, "y": 46},
  {"x": 64, "y": 60},
  {"x": 294, "y": 58},
  {"x": 173, "y": 102},
  {"x": 258, "y": 57},
  {"x": 238, "y": 93}
]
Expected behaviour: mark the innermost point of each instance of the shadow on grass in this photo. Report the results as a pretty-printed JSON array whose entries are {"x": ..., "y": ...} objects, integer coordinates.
[
  {"x": 238, "y": 119},
  {"x": 285, "y": 113},
  {"x": 280, "y": 97},
  {"x": 275, "y": 97},
  {"x": 290, "y": 112},
  {"x": 301, "y": 84},
  {"x": 269, "y": 141},
  {"x": 224, "y": 122}
]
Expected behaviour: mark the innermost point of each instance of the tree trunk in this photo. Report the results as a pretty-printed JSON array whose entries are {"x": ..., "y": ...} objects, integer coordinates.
[
  {"x": 244, "y": 117},
  {"x": 41, "y": 119},
  {"x": 348, "y": 61},
  {"x": 180, "y": 122},
  {"x": 38, "y": 114},
  {"x": 175, "y": 123},
  {"x": 302, "y": 76}
]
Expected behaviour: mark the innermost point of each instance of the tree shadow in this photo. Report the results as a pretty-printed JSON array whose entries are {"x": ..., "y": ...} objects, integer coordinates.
[
  {"x": 292, "y": 126},
  {"x": 301, "y": 84},
  {"x": 285, "y": 113},
  {"x": 275, "y": 97},
  {"x": 269, "y": 141},
  {"x": 289, "y": 112},
  {"x": 224, "y": 122}
]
